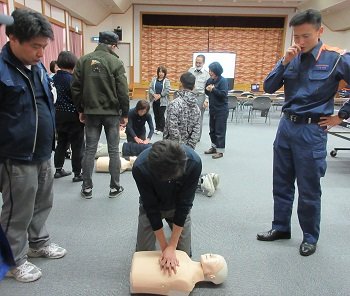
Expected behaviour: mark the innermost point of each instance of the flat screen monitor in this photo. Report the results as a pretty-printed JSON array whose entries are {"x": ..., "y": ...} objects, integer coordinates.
[{"x": 255, "y": 87}]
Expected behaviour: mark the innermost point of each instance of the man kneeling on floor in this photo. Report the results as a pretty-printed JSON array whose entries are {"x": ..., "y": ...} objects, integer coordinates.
[{"x": 166, "y": 175}]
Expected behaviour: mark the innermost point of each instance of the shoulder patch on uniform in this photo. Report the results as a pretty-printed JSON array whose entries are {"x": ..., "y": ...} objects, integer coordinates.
[
  {"x": 326, "y": 47},
  {"x": 333, "y": 48}
]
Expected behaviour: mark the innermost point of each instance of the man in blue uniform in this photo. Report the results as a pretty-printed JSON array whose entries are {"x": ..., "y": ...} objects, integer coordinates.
[
  {"x": 166, "y": 176},
  {"x": 310, "y": 72}
]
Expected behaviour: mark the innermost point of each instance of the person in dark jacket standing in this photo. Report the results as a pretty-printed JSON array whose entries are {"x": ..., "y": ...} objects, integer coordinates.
[
  {"x": 166, "y": 176},
  {"x": 100, "y": 94},
  {"x": 216, "y": 89},
  {"x": 69, "y": 129},
  {"x": 26, "y": 142},
  {"x": 135, "y": 129}
]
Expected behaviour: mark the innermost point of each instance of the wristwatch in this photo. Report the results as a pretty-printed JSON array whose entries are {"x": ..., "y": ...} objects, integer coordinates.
[{"x": 343, "y": 114}]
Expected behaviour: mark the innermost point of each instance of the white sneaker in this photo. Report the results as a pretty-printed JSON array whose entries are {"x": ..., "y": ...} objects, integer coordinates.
[
  {"x": 216, "y": 179},
  {"x": 26, "y": 272},
  {"x": 207, "y": 185},
  {"x": 51, "y": 251}
]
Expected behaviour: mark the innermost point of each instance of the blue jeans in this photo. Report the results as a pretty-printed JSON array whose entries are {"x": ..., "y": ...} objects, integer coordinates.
[{"x": 93, "y": 128}]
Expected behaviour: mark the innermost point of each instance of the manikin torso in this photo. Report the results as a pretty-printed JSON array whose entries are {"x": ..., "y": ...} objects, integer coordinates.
[{"x": 147, "y": 277}]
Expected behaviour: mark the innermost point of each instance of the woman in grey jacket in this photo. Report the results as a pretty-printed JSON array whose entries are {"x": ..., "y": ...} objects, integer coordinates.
[{"x": 159, "y": 95}]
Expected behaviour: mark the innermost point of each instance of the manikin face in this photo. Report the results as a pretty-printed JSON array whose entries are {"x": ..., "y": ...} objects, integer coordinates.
[
  {"x": 29, "y": 52},
  {"x": 199, "y": 63},
  {"x": 306, "y": 36},
  {"x": 214, "y": 268}
]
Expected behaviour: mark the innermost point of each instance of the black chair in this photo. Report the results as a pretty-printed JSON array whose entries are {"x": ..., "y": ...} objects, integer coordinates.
[
  {"x": 233, "y": 106},
  {"x": 262, "y": 104},
  {"x": 247, "y": 94},
  {"x": 236, "y": 92},
  {"x": 278, "y": 101},
  {"x": 248, "y": 101}
]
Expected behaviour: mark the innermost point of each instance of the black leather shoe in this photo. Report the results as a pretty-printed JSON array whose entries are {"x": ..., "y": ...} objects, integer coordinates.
[
  {"x": 307, "y": 249},
  {"x": 272, "y": 235}
]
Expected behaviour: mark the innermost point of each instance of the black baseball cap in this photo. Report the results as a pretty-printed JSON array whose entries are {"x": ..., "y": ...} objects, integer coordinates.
[
  {"x": 6, "y": 19},
  {"x": 108, "y": 37}
]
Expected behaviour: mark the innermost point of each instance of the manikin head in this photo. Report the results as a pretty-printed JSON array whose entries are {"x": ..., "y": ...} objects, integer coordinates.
[{"x": 214, "y": 268}]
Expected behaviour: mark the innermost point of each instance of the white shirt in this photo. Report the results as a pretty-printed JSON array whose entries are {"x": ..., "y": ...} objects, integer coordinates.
[{"x": 202, "y": 77}]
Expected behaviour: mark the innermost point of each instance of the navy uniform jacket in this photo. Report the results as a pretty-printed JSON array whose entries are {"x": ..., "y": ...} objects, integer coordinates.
[
  {"x": 156, "y": 196},
  {"x": 19, "y": 114},
  {"x": 218, "y": 101},
  {"x": 310, "y": 86}
]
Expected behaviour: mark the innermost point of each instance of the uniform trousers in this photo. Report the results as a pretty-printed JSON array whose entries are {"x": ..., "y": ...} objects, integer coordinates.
[
  {"x": 217, "y": 129},
  {"x": 299, "y": 155}
]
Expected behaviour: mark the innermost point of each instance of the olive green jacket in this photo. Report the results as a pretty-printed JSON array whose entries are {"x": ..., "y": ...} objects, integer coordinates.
[{"x": 99, "y": 84}]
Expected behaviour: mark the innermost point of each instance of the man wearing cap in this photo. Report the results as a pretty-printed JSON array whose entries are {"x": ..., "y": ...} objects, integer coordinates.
[
  {"x": 100, "y": 93},
  {"x": 27, "y": 125}
]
